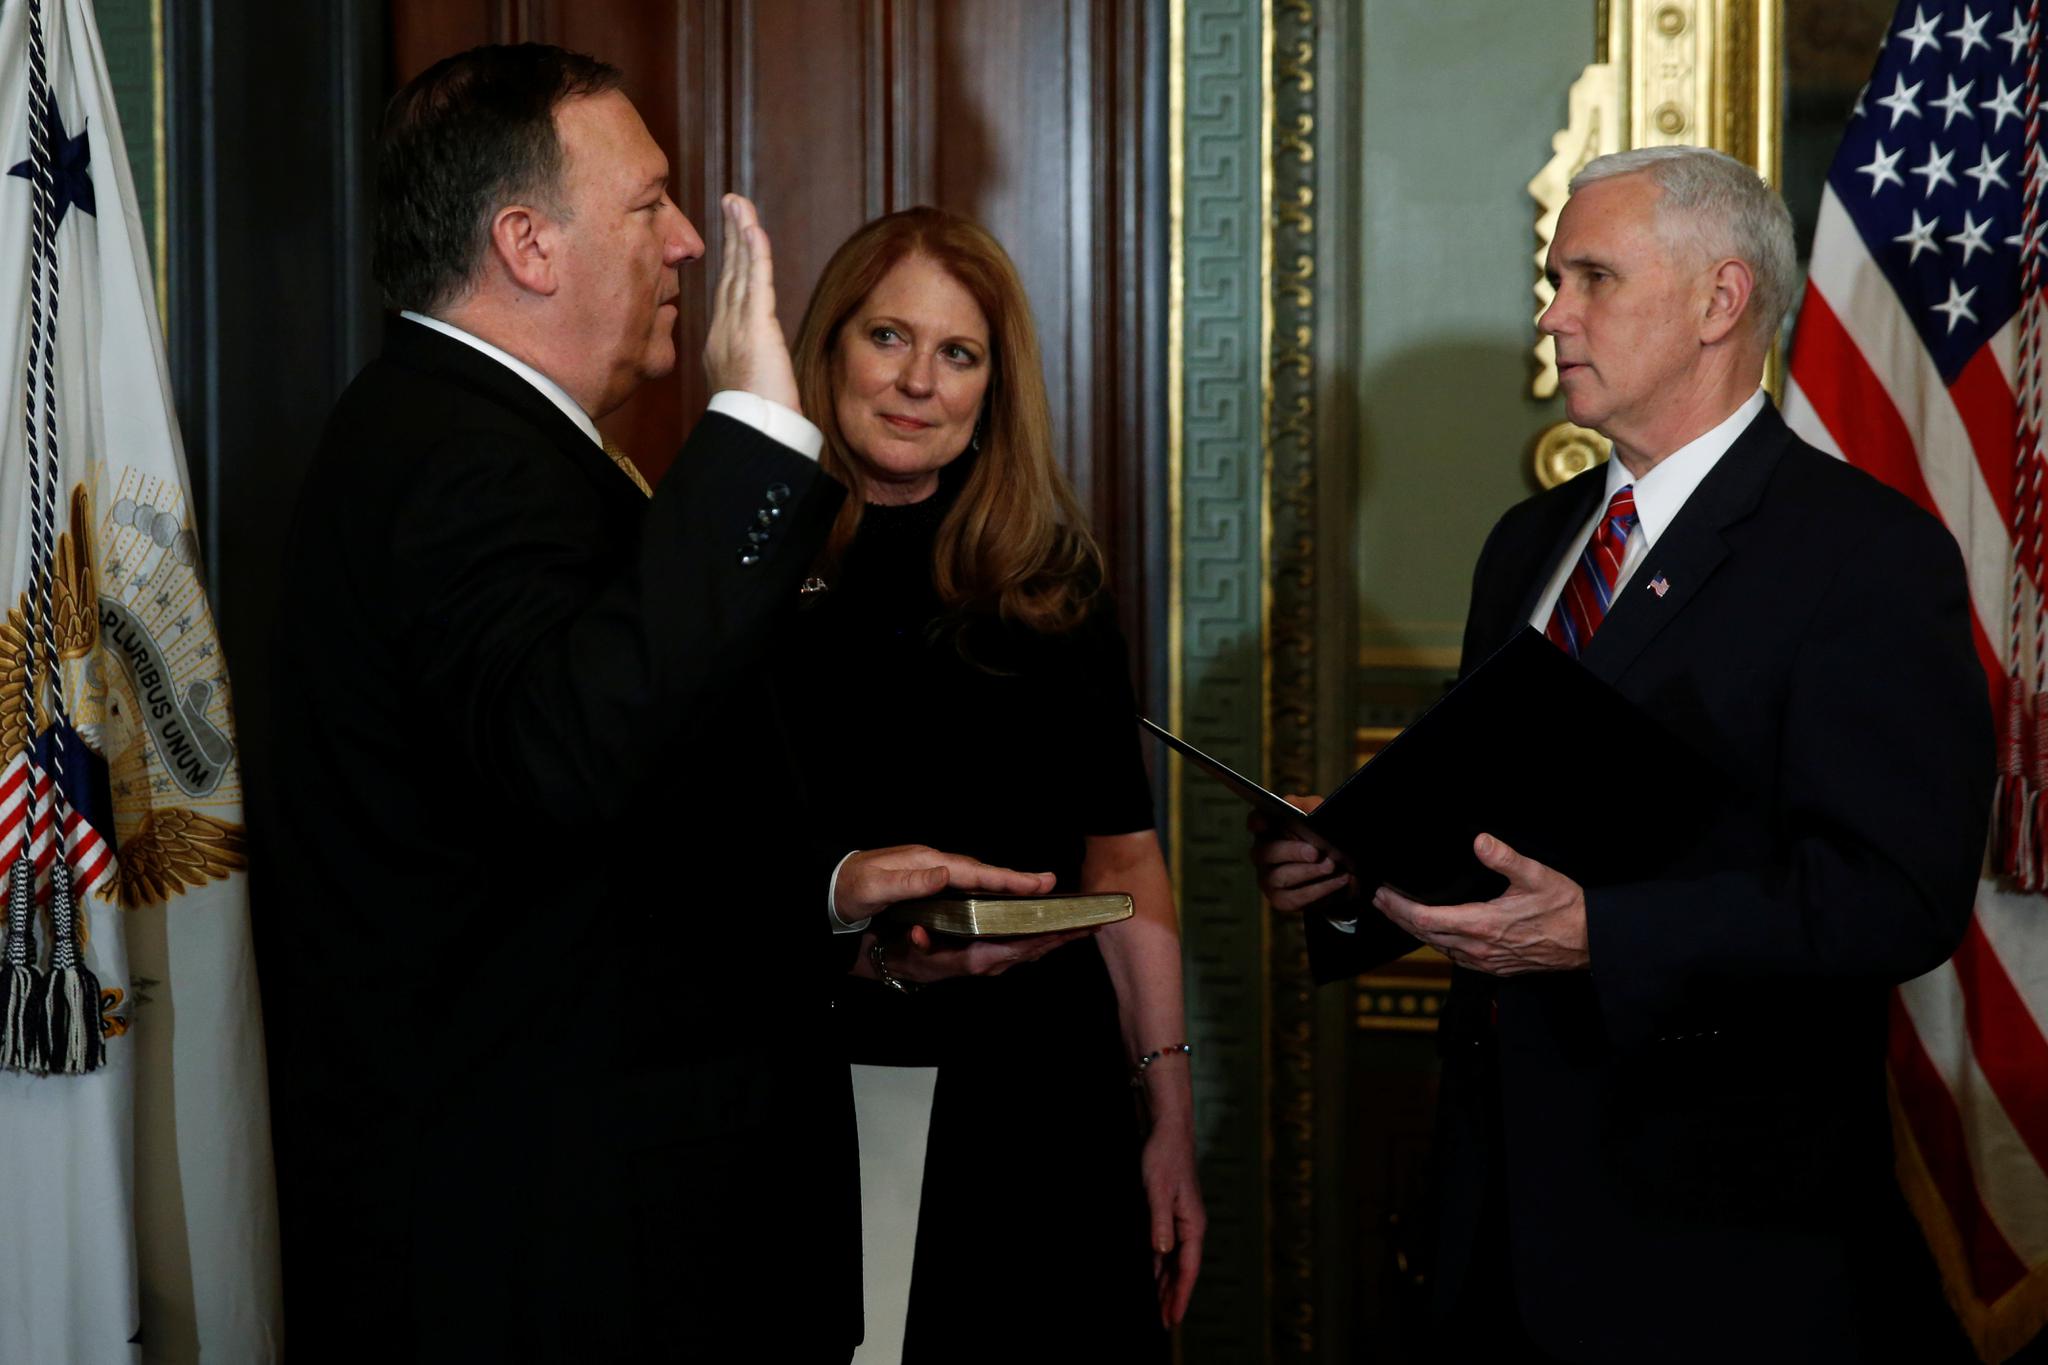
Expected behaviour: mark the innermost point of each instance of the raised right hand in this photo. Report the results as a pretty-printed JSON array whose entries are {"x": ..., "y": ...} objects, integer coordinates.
[
  {"x": 875, "y": 879},
  {"x": 746, "y": 349},
  {"x": 1294, "y": 874}
]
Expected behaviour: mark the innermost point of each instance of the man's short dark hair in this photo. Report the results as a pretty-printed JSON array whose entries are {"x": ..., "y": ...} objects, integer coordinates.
[{"x": 465, "y": 137}]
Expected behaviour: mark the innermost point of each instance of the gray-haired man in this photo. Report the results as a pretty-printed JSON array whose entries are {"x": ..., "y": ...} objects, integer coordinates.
[{"x": 1663, "y": 1132}]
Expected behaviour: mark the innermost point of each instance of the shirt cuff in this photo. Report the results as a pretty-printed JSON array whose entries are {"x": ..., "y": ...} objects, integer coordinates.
[
  {"x": 839, "y": 926},
  {"x": 771, "y": 419}
]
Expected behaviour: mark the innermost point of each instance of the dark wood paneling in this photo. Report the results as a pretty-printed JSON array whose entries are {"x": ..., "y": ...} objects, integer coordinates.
[
  {"x": 810, "y": 137},
  {"x": 1002, "y": 86}
]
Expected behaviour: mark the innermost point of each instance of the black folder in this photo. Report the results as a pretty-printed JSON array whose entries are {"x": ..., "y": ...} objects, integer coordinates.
[{"x": 1530, "y": 748}]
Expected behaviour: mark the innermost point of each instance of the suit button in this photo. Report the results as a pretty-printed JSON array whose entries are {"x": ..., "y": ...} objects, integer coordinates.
[
  {"x": 749, "y": 558},
  {"x": 778, "y": 493}
]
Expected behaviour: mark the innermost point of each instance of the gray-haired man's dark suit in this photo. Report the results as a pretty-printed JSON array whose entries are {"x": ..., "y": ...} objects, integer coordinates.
[{"x": 1687, "y": 1148}]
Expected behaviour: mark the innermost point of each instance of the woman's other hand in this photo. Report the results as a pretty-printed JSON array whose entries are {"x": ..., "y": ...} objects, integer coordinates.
[{"x": 1174, "y": 1196}]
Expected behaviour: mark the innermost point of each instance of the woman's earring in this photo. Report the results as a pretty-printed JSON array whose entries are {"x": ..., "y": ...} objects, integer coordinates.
[{"x": 974, "y": 441}]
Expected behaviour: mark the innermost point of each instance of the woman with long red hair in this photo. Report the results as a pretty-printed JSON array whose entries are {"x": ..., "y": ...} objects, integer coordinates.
[{"x": 968, "y": 686}]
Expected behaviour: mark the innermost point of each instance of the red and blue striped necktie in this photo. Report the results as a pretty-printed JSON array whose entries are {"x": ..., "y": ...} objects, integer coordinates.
[{"x": 1582, "y": 606}]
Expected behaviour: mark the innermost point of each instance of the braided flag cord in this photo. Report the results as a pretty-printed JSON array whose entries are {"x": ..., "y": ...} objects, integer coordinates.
[
  {"x": 2020, "y": 824},
  {"x": 1919, "y": 358},
  {"x": 58, "y": 1026}
]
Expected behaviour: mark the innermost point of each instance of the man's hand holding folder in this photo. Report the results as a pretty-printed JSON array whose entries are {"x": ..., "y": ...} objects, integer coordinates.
[
  {"x": 1537, "y": 925},
  {"x": 1473, "y": 831}
]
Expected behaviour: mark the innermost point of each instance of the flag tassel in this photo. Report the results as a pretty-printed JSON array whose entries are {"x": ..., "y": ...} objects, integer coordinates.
[
  {"x": 22, "y": 988},
  {"x": 76, "y": 1039},
  {"x": 2010, "y": 800},
  {"x": 2034, "y": 842}
]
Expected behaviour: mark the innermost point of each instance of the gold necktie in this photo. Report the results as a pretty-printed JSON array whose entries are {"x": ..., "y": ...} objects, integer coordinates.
[{"x": 620, "y": 459}]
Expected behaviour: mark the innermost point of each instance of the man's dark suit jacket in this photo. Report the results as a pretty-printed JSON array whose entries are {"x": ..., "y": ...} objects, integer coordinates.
[
  {"x": 1697, "y": 1151},
  {"x": 555, "y": 954}
]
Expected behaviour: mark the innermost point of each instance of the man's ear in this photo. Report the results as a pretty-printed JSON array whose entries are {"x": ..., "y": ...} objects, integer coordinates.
[
  {"x": 523, "y": 242},
  {"x": 1730, "y": 287}
]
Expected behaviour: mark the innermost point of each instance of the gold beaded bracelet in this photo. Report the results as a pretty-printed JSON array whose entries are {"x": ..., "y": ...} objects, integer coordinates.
[{"x": 1138, "y": 1071}]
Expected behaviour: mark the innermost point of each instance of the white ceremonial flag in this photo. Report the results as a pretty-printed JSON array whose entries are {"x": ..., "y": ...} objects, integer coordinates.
[{"x": 137, "y": 1207}]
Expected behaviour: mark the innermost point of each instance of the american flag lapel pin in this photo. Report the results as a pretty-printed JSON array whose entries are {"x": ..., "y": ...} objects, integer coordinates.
[{"x": 1660, "y": 585}]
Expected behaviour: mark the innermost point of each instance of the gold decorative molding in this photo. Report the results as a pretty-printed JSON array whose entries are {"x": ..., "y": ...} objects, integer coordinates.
[
  {"x": 1288, "y": 524},
  {"x": 1405, "y": 996},
  {"x": 1592, "y": 128},
  {"x": 1368, "y": 740},
  {"x": 1700, "y": 72},
  {"x": 1673, "y": 59},
  {"x": 1565, "y": 451},
  {"x": 1436, "y": 657},
  {"x": 1400, "y": 1007}
]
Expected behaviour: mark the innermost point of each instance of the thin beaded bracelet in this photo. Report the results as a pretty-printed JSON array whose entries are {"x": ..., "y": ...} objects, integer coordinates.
[
  {"x": 888, "y": 978},
  {"x": 1138, "y": 1071}
]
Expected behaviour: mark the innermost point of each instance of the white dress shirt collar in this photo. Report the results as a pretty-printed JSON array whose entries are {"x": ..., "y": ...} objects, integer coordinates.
[
  {"x": 1660, "y": 493},
  {"x": 547, "y": 387}
]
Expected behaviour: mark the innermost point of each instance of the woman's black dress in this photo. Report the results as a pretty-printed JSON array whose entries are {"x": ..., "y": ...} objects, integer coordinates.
[{"x": 1032, "y": 1233}]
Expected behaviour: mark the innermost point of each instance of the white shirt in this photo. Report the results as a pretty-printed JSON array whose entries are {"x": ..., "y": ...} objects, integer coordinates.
[
  {"x": 1659, "y": 495},
  {"x": 777, "y": 422}
]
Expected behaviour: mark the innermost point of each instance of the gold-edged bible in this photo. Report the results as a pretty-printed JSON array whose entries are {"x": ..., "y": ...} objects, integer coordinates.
[{"x": 980, "y": 916}]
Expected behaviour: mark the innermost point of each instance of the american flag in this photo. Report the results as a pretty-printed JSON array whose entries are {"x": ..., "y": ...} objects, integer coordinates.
[
  {"x": 1917, "y": 357},
  {"x": 91, "y": 857}
]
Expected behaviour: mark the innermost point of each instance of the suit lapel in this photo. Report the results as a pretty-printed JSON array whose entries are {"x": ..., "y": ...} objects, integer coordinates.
[
  {"x": 1690, "y": 550},
  {"x": 1530, "y": 557},
  {"x": 1553, "y": 537}
]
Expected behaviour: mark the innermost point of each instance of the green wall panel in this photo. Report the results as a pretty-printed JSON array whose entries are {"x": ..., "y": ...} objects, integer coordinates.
[
  {"x": 128, "y": 35},
  {"x": 1459, "y": 102},
  {"x": 1222, "y": 704}
]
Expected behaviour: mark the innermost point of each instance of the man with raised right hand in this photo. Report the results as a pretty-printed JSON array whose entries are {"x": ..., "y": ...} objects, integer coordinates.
[{"x": 555, "y": 938}]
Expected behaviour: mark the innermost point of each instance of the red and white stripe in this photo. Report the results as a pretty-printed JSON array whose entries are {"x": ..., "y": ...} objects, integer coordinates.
[
  {"x": 1969, "y": 1044},
  {"x": 90, "y": 856}
]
